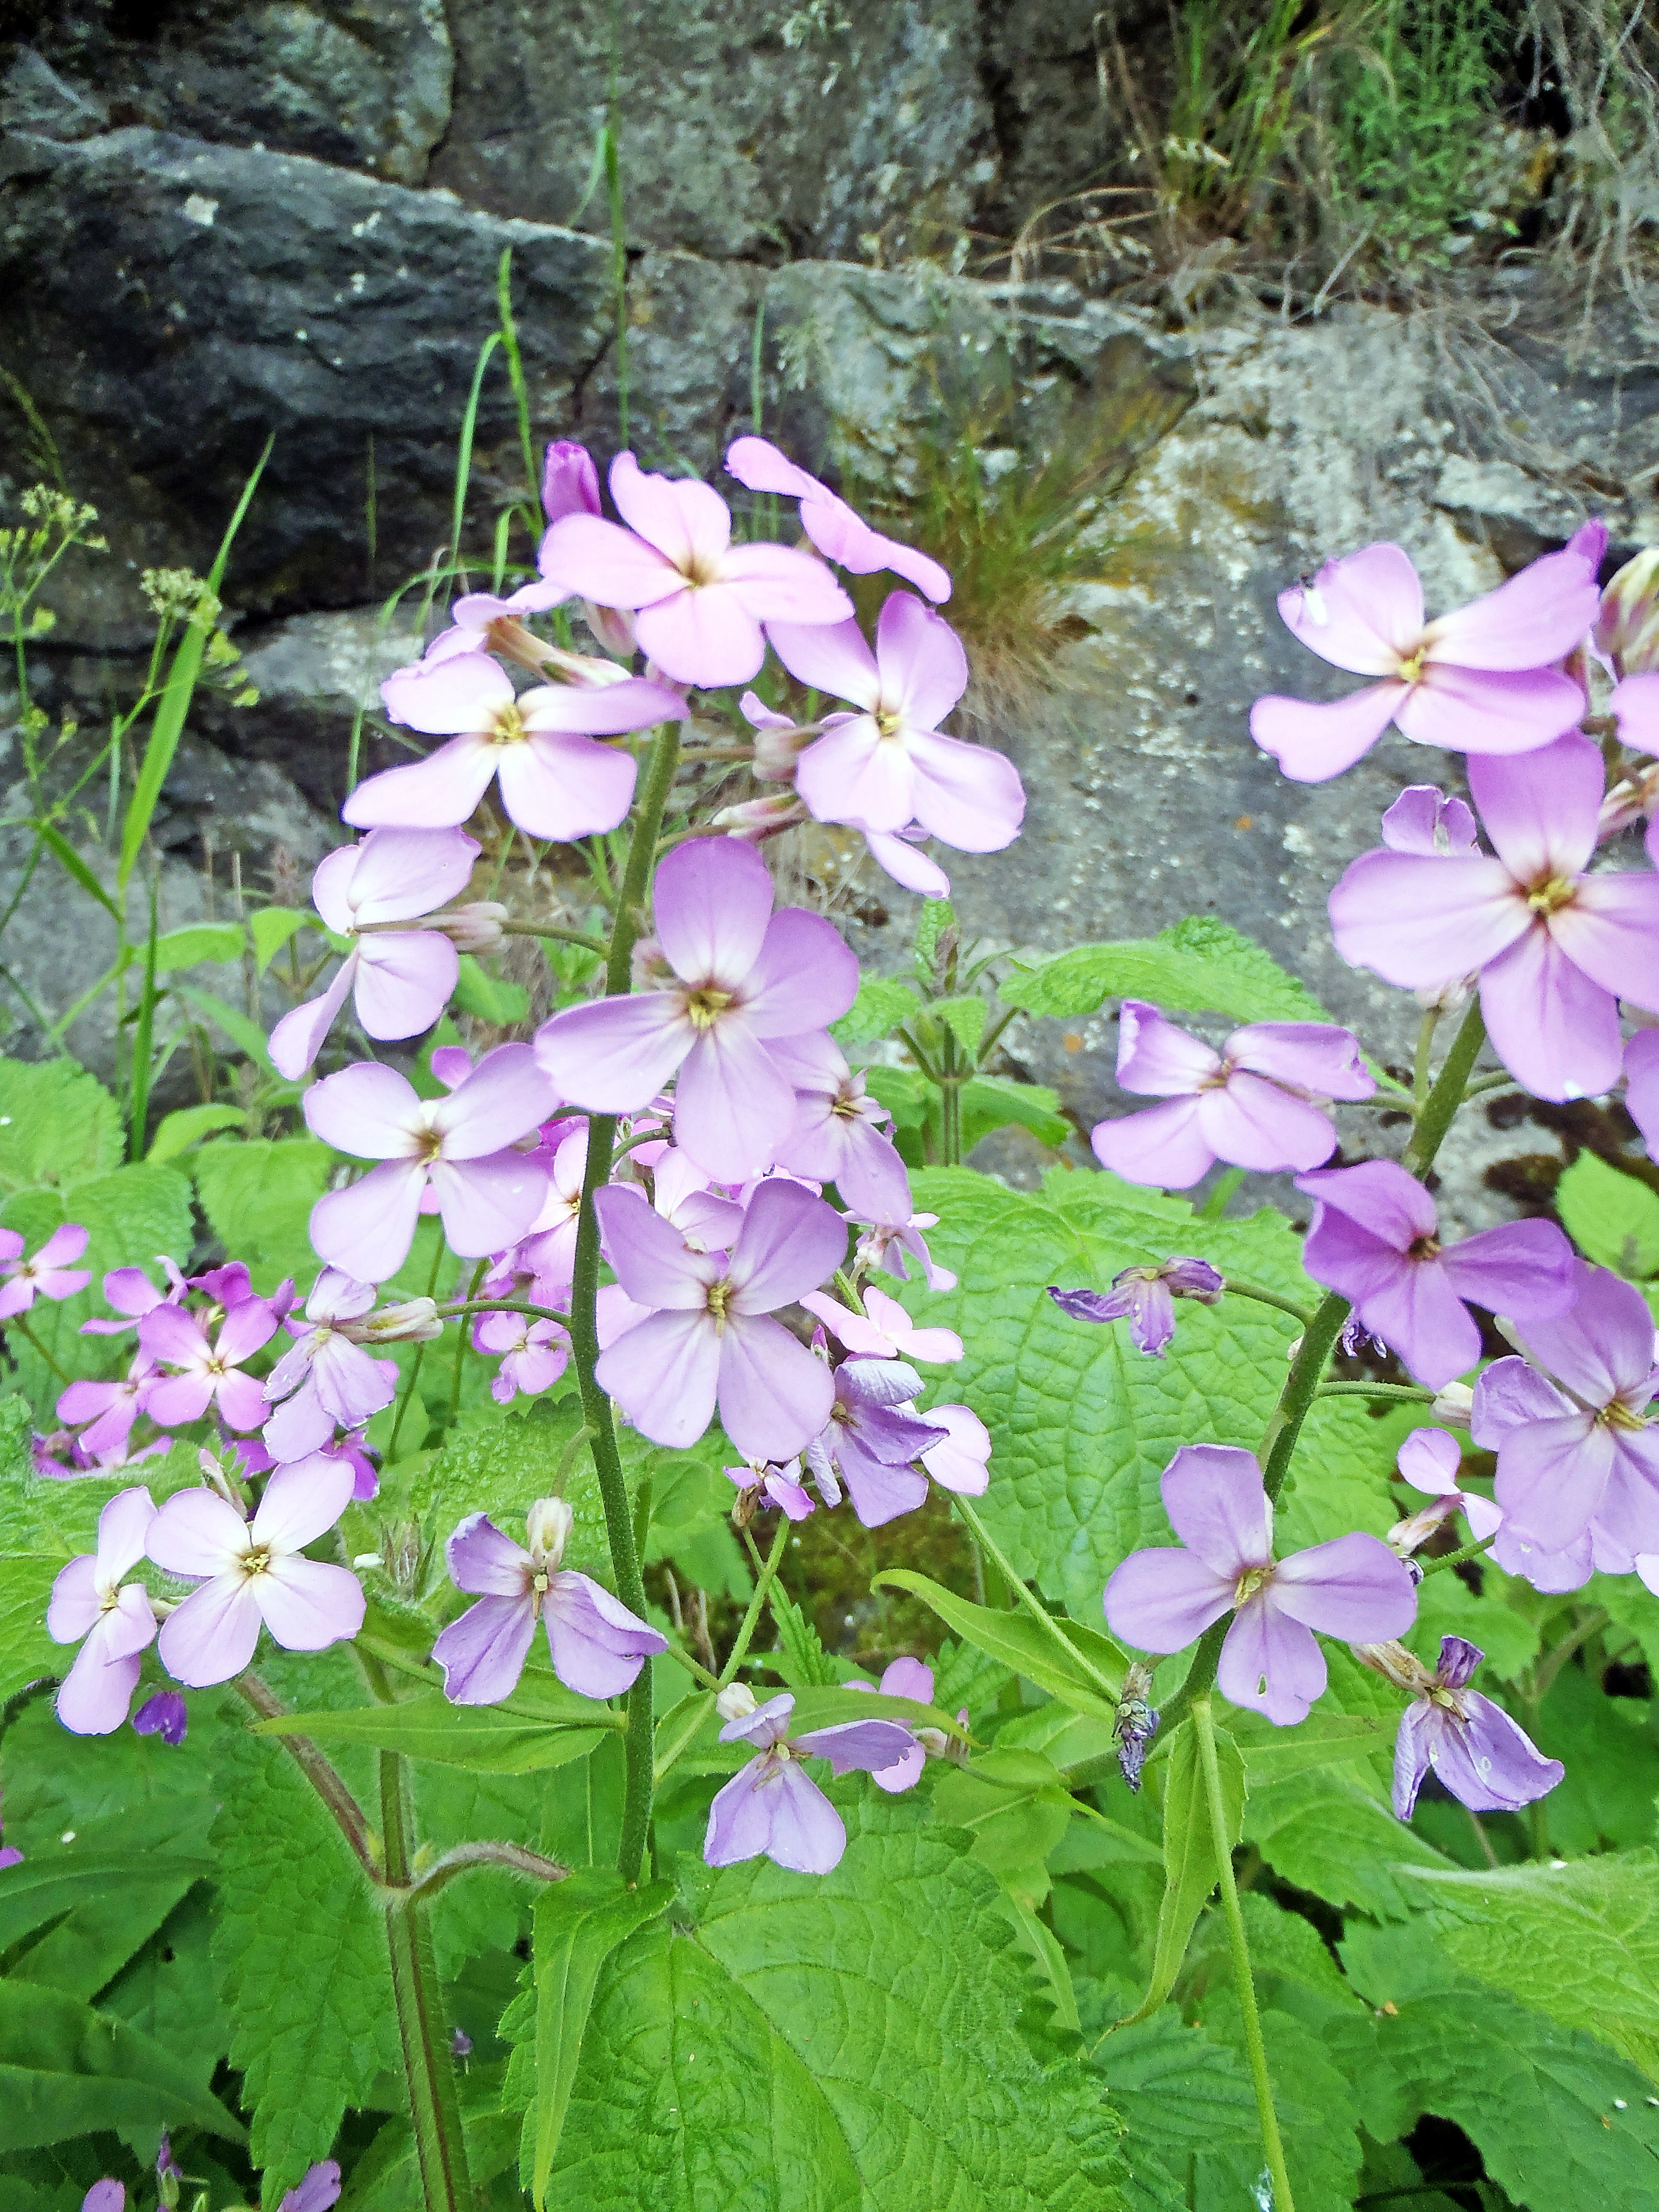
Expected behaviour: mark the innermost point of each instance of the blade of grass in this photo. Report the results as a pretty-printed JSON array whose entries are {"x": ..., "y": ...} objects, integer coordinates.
[
  {"x": 515, "y": 366},
  {"x": 144, "y": 1036},
  {"x": 73, "y": 865},
  {"x": 464, "y": 451}
]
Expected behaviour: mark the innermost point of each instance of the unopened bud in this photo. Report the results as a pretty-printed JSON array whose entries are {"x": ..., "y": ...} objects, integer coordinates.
[
  {"x": 746, "y": 1507},
  {"x": 1629, "y": 799},
  {"x": 549, "y": 1523},
  {"x": 648, "y": 968},
  {"x": 1627, "y": 628},
  {"x": 474, "y": 928},
  {"x": 582, "y": 671},
  {"x": 735, "y": 1701},
  {"x": 1454, "y": 1405},
  {"x": 777, "y": 750},
  {"x": 1396, "y": 1664},
  {"x": 413, "y": 1322},
  {"x": 757, "y": 818},
  {"x": 571, "y": 482},
  {"x": 613, "y": 626},
  {"x": 1405, "y": 1537}
]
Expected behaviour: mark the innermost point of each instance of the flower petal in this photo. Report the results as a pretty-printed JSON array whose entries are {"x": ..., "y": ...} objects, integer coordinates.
[
  {"x": 853, "y": 774},
  {"x": 588, "y": 558},
  {"x": 367, "y": 1228},
  {"x": 1611, "y": 931},
  {"x": 969, "y": 795},
  {"x": 95, "y": 1695},
  {"x": 615, "y": 1054},
  {"x": 598, "y": 1645},
  {"x": 1252, "y": 1123},
  {"x": 733, "y": 1110},
  {"x": 298, "y": 1037},
  {"x": 653, "y": 1265},
  {"x": 1537, "y": 617},
  {"x": 483, "y": 1653},
  {"x": 566, "y": 787},
  {"x": 803, "y": 978},
  {"x": 705, "y": 634},
  {"x": 397, "y": 874},
  {"x": 790, "y": 1242},
  {"x": 489, "y": 1204},
  {"x": 712, "y": 903},
  {"x": 1354, "y": 1587},
  {"x": 1521, "y": 1268},
  {"x": 302, "y": 1502},
  {"x": 1551, "y": 1477},
  {"x": 307, "y": 1604},
  {"x": 213, "y": 1634},
  {"x": 923, "y": 668},
  {"x": 434, "y": 794},
  {"x": 1554, "y": 1030},
  {"x": 1419, "y": 922},
  {"x": 1214, "y": 1498},
  {"x": 461, "y": 693},
  {"x": 1312, "y": 1056},
  {"x": 1164, "y": 1145},
  {"x": 1313, "y": 740},
  {"x": 1165, "y": 1600},
  {"x": 1363, "y": 612},
  {"x": 1481, "y": 713},
  {"x": 830, "y": 657},
  {"x": 197, "y": 1533},
  {"x": 784, "y": 583},
  {"x": 368, "y": 1110},
  {"x": 775, "y": 1396},
  {"x": 663, "y": 1374},
  {"x": 1271, "y": 1664}
]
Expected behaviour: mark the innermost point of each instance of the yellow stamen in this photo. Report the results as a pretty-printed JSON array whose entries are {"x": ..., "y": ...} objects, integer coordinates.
[
  {"x": 1550, "y": 895},
  {"x": 509, "y": 729},
  {"x": 1252, "y": 1580},
  {"x": 706, "y": 1005}
]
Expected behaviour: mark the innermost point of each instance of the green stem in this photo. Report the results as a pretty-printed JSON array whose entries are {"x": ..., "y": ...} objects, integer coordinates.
[
  {"x": 1033, "y": 1605},
  {"x": 414, "y": 1365},
  {"x": 1456, "y": 1559},
  {"x": 461, "y": 1340},
  {"x": 1406, "y": 1393},
  {"x": 26, "y": 1331},
  {"x": 639, "y": 1745},
  {"x": 1426, "y": 1027},
  {"x": 769, "y": 1575},
  {"x": 1447, "y": 1096},
  {"x": 1236, "y": 1288},
  {"x": 1301, "y": 1388},
  {"x": 1204, "y": 1727},
  {"x": 434, "y": 2104},
  {"x": 1216, "y": 1204},
  {"x": 549, "y": 929}
]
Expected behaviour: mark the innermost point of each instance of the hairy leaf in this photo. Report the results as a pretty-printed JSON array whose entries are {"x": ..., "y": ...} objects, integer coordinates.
[
  {"x": 1327, "y": 1833},
  {"x": 68, "y": 2070},
  {"x": 257, "y": 1195},
  {"x": 1197, "y": 966},
  {"x": 58, "y": 1124},
  {"x": 880, "y": 1005}
]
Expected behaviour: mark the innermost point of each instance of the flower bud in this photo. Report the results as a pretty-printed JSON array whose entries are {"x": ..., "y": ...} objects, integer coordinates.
[
  {"x": 613, "y": 626},
  {"x": 550, "y": 1522},
  {"x": 755, "y": 820},
  {"x": 647, "y": 965},
  {"x": 571, "y": 482},
  {"x": 1394, "y": 1664},
  {"x": 1454, "y": 1405},
  {"x": 1445, "y": 998},
  {"x": 414, "y": 1322},
  {"x": 1404, "y": 1538},
  {"x": 473, "y": 928},
  {"x": 1627, "y": 628},
  {"x": 582, "y": 671},
  {"x": 735, "y": 1701},
  {"x": 1627, "y": 802}
]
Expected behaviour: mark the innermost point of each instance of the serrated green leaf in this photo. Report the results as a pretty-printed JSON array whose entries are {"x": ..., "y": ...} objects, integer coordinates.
[
  {"x": 258, "y": 1195},
  {"x": 1579, "y": 1943},
  {"x": 937, "y": 916},
  {"x": 1612, "y": 1219},
  {"x": 501, "y": 1466},
  {"x": 215, "y": 941},
  {"x": 479, "y": 992},
  {"x": 1024, "y": 1645},
  {"x": 68, "y": 2070},
  {"x": 1190, "y": 1866},
  {"x": 1178, "y": 2091},
  {"x": 998, "y": 1102},
  {"x": 881, "y": 1005},
  {"x": 1015, "y": 1806},
  {"x": 270, "y": 929},
  {"x": 579, "y": 1923},
  {"x": 90, "y": 1908},
  {"x": 58, "y": 1124},
  {"x": 846, "y": 2043},
  {"x": 1319, "y": 2117},
  {"x": 1197, "y": 966},
  {"x": 300, "y": 1951},
  {"x": 168, "y": 1992},
  {"x": 479, "y": 1739},
  {"x": 964, "y": 1017},
  {"x": 181, "y": 1130},
  {"x": 1326, "y": 1833}
]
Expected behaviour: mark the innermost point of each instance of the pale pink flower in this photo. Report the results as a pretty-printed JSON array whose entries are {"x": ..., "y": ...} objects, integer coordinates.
[
  {"x": 206, "y": 1372},
  {"x": 46, "y": 1274},
  {"x": 883, "y": 1330},
  {"x": 325, "y": 1379},
  {"x": 963, "y": 1462},
  {"x": 840, "y": 534},
  {"x": 533, "y": 1353},
  {"x": 698, "y": 601},
  {"x": 109, "y": 1409},
  {"x": 132, "y": 1294},
  {"x": 835, "y": 1138},
  {"x": 91, "y": 1600}
]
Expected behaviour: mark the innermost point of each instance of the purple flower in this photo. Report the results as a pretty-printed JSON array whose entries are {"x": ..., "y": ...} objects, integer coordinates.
[
  {"x": 1374, "y": 1237},
  {"x": 907, "y": 1678},
  {"x": 779, "y": 1486},
  {"x": 132, "y": 1293},
  {"x": 164, "y": 1714},
  {"x": 1146, "y": 1296},
  {"x": 319, "y": 2189},
  {"x": 249, "y": 1571},
  {"x": 598, "y": 1645},
  {"x": 1641, "y": 1087},
  {"x": 548, "y": 1253},
  {"x": 105, "y": 2195},
  {"x": 91, "y": 1600},
  {"x": 402, "y": 979},
  {"x": 327, "y": 1379},
  {"x": 708, "y": 1336},
  {"x": 1555, "y": 949},
  {"x": 887, "y": 765},
  {"x": 872, "y": 1438},
  {"x": 109, "y": 1409},
  {"x": 207, "y": 1373},
  {"x": 1576, "y": 1453},
  {"x": 961, "y": 1462},
  {"x": 773, "y": 1807},
  {"x": 533, "y": 1353},
  {"x": 571, "y": 482},
  {"x": 556, "y": 780},
  {"x": 10, "y": 1857},
  {"x": 1486, "y": 1760},
  {"x": 1424, "y": 820},
  {"x": 1478, "y": 681},
  {"x": 740, "y": 976},
  {"x": 699, "y": 600},
  {"x": 835, "y": 1138},
  {"x": 840, "y": 534},
  {"x": 462, "y": 1146},
  {"x": 47, "y": 1276},
  {"x": 1430, "y": 1460},
  {"x": 885, "y": 1245},
  {"x": 1163, "y": 1599},
  {"x": 1249, "y": 1104},
  {"x": 883, "y": 1330}
]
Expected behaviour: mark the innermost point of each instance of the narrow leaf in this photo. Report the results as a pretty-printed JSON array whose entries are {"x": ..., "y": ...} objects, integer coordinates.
[
  {"x": 1018, "y": 1641},
  {"x": 1190, "y": 1872},
  {"x": 247, "y": 1037},
  {"x": 178, "y": 1131},
  {"x": 271, "y": 928},
  {"x": 483, "y": 1739},
  {"x": 59, "y": 846}
]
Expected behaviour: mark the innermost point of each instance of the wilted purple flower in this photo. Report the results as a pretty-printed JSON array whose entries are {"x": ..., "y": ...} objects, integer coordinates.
[
  {"x": 1163, "y": 1599},
  {"x": 533, "y": 1353},
  {"x": 774, "y": 1806},
  {"x": 1146, "y": 1296},
  {"x": 168, "y": 2167},
  {"x": 1251, "y": 1103},
  {"x": 319, "y": 2189},
  {"x": 1576, "y": 1451},
  {"x": 873, "y": 1438},
  {"x": 740, "y": 976},
  {"x": 207, "y": 1371},
  {"x": 164, "y": 1714},
  {"x": 1488, "y": 1761},
  {"x": 597, "y": 1644},
  {"x": 1555, "y": 948},
  {"x": 47, "y": 1276},
  {"x": 835, "y": 1138},
  {"x": 461, "y": 2044},
  {"x": 1430, "y": 1459},
  {"x": 571, "y": 482},
  {"x": 709, "y": 1336},
  {"x": 1479, "y": 680},
  {"x": 92, "y": 1600},
  {"x": 885, "y": 1330},
  {"x": 251, "y": 1571},
  {"x": 1374, "y": 1237},
  {"x": 1424, "y": 820},
  {"x": 326, "y": 1380}
]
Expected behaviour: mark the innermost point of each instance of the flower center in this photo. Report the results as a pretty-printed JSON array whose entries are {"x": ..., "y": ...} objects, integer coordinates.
[
  {"x": 541, "y": 1582},
  {"x": 1252, "y": 1580},
  {"x": 1422, "y": 1247},
  {"x": 1448, "y": 1700},
  {"x": 1617, "y": 1415},
  {"x": 889, "y": 721},
  {"x": 429, "y": 1147},
  {"x": 108, "y": 1599},
  {"x": 706, "y": 1005},
  {"x": 258, "y": 1561},
  {"x": 509, "y": 729},
  {"x": 1411, "y": 669},
  {"x": 719, "y": 1295},
  {"x": 1552, "y": 895}
]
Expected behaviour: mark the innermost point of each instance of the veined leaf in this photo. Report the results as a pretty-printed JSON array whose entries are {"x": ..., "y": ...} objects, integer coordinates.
[
  {"x": 67, "y": 2070},
  {"x": 179, "y": 1131},
  {"x": 270, "y": 929},
  {"x": 1190, "y": 1868},
  {"x": 215, "y": 941},
  {"x": 880, "y": 1005},
  {"x": 483, "y": 1739},
  {"x": 1273, "y": 1754},
  {"x": 1612, "y": 1219},
  {"x": 1197, "y": 966},
  {"x": 1086, "y": 1679}
]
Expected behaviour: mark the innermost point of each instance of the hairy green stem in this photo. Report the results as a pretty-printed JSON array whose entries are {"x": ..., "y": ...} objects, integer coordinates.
[
  {"x": 769, "y": 1575},
  {"x": 1456, "y": 1559},
  {"x": 341, "y": 1807},
  {"x": 434, "y": 2107},
  {"x": 640, "y": 1744},
  {"x": 1426, "y": 1030},
  {"x": 1204, "y": 1727},
  {"x": 1447, "y": 1096},
  {"x": 562, "y": 936},
  {"x": 1236, "y": 1288},
  {"x": 25, "y": 1329},
  {"x": 1405, "y": 1393}
]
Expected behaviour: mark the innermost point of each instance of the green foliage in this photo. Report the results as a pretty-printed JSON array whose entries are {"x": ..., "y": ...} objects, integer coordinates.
[
  {"x": 1191, "y": 1869},
  {"x": 1196, "y": 966},
  {"x": 504, "y": 1739},
  {"x": 67, "y": 2070},
  {"x": 1328, "y": 1834},
  {"x": 880, "y": 1005},
  {"x": 1079, "y": 1666},
  {"x": 1612, "y": 1219},
  {"x": 479, "y": 992},
  {"x": 58, "y": 1124},
  {"x": 846, "y": 2042},
  {"x": 258, "y": 1197}
]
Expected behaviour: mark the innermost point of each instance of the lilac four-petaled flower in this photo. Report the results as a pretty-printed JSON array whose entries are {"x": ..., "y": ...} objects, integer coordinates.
[
  {"x": 774, "y": 1806},
  {"x": 47, "y": 1274},
  {"x": 1163, "y": 1599},
  {"x": 94, "y": 1605},
  {"x": 327, "y": 1379},
  {"x": 209, "y": 1373},
  {"x": 871, "y": 1440},
  {"x": 1486, "y": 1760}
]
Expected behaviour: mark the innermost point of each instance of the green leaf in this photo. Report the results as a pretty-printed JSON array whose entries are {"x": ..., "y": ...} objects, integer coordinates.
[
  {"x": 800, "y": 1658},
  {"x": 1190, "y": 1870},
  {"x": 133, "y": 1214},
  {"x": 270, "y": 929},
  {"x": 246, "y": 1036},
  {"x": 1180, "y": 2095},
  {"x": 1197, "y": 966},
  {"x": 258, "y": 1195},
  {"x": 1326, "y": 1833},
  {"x": 96, "y": 1904},
  {"x": 60, "y": 847},
  {"x": 1023, "y": 1644},
  {"x": 501, "y": 1466},
  {"x": 168, "y": 1992},
  {"x": 998, "y": 1102},
  {"x": 301, "y": 1955},
  {"x": 1612, "y": 1219},
  {"x": 846, "y": 2043},
  {"x": 1579, "y": 1943},
  {"x": 937, "y": 916},
  {"x": 179, "y": 1131},
  {"x": 881, "y": 1005},
  {"x": 964, "y": 1017},
  {"x": 1273, "y": 1754},
  {"x": 67, "y": 2070},
  {"x": 1015, "y": 1806},
  {"x": 579, "y": 1923},
  {"x": 58, "y": 1124},
  {"x": 482, "y": 1739},
  {"x": 479, "y": 992},
  {"x": 216, "y": 941}
]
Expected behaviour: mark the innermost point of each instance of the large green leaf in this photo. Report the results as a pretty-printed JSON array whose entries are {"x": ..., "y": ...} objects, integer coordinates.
[
  {"x": 58, "y": 1124},
  {"x": 843, "y": 2043},
  {"x": 1328, "y": 1834},
  {"x": 482, "y": 1739},
  {"x": 68, "y": 2070},
  {"x": 73, "y": 1919},
  {"x": 301, "y": 1955},
  {"x": 1196, "y": 966},
  {"x": 1612, "y": 1219},
  {"x": 259, "y": 1195},
  {"x": 1180, "y": 2095},
  {"x": 1079, "y": 1666}
]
